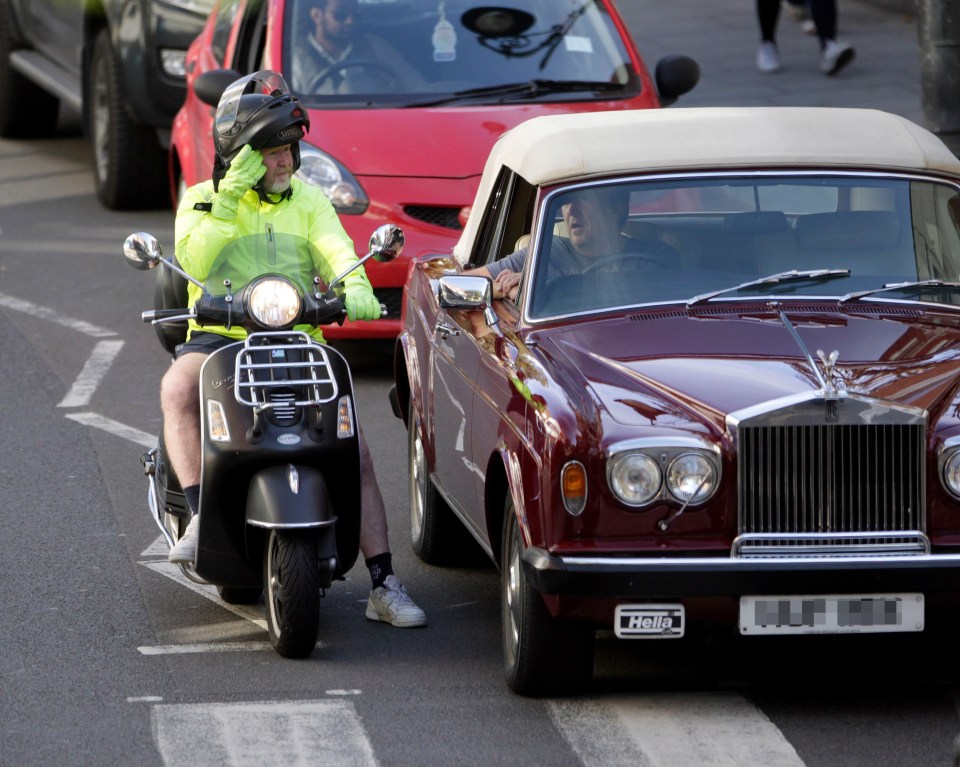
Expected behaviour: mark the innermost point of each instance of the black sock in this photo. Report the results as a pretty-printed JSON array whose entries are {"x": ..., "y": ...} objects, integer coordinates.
[
  {"x": 192, "y": 494},
  {"x": 380, "y": 567}
]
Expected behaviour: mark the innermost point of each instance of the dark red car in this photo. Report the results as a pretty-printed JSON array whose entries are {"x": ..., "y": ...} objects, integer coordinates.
[
  {"x": 401, "y": 127},
  {"x": 747, "y": 408}
]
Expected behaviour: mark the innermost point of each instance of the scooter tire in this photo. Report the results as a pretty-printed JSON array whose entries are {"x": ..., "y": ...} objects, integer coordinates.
[{"x": 291, "y": 582}]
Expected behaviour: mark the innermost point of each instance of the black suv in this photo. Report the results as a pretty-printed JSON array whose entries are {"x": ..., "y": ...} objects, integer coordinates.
[{"x": 118, "y": 63}]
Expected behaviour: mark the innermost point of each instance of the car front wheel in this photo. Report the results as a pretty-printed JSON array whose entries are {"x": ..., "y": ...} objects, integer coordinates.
[
  {"x": 436, "y": 534},
  {"x": 542, "y": 655},
  {"x": 129, "y": 163}
]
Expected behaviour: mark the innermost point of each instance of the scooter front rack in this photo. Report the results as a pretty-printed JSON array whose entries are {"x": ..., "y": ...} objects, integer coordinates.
[{"x": 263, "y": 364}]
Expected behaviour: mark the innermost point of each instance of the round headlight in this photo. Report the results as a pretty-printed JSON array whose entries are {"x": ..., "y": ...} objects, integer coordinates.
[
  {"x": 691, "y": 478},
  {"x": 951, "y": 473},
  {"x": 274, "y": 303},
  {"x": 635, "y": 479}
]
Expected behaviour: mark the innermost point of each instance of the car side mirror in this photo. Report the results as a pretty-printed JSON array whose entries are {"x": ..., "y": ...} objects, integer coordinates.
[
  {"x": 209, "y": 86},
  {"x": 675, "y": 75},
  {"x": 142, "y": 251},
  {"x": 470, "y": 293}
]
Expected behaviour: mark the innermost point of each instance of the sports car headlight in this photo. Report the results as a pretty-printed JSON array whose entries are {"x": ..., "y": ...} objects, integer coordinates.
[
  {"x": 691, "y": 478},
  {"x": 951, "y": 472},
  {"x": 338, "y": 184},
  {"x": 274, "y": 303},
  {"x": 635, "y": 478}
]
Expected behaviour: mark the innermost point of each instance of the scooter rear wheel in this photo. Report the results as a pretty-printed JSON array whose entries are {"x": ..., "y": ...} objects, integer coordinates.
[{"x": 291, "y": 582}]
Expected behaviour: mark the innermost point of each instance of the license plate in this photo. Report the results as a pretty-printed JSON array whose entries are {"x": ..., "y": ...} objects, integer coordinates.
[
  {"x": 649, "y": 621},
  {"x": 831, "y": 614}
]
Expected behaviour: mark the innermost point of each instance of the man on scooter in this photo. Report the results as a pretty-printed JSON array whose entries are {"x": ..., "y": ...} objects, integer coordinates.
[{"x": 257, "y": 130}]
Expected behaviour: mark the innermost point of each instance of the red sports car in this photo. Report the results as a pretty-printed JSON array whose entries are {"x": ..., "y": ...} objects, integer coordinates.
[{"x": 407, "y": 97}]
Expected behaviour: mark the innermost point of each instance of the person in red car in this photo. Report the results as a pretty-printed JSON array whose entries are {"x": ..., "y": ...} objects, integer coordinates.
[
  {"x": 257, "y": 131},
  {"x": 337, "y": 58}
]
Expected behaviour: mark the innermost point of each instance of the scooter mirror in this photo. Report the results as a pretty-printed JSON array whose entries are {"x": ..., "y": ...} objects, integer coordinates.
[
  {"x": 386, "y": 243},
  {"x": 142, "y": 251}
]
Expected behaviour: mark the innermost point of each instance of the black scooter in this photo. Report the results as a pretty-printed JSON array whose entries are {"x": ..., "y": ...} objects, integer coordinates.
[{"x": 280, "y": 477}]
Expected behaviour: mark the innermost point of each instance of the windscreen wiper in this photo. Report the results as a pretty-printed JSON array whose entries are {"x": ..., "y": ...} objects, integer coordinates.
[
  {"x": 919, "y": 285},
  {"x": 525, "y": 89},
  {"x": 794, "y": 275}
]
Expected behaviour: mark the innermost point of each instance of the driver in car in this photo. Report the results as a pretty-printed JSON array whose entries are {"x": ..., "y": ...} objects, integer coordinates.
[
  {"x": 337, "y": 58},
  {"x": 594, "y": 221}
]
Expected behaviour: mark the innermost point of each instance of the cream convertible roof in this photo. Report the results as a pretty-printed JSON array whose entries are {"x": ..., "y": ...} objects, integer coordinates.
[{"x": 547, "y": 150}]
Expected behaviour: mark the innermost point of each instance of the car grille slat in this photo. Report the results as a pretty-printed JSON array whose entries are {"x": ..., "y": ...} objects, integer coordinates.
[{"x": 818, "y": 487}]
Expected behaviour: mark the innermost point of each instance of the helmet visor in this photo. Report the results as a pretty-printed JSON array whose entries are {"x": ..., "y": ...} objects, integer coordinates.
[{"x": 266, "y": 82}]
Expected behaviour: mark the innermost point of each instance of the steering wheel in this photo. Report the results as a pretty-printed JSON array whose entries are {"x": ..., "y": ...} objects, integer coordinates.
[
  {"x": 341, "y": 66},
  {"x": 623, "y": 259}
]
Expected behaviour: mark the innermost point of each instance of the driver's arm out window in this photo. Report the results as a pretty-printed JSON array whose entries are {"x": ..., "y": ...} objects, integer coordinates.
[{"x": 507, "y": 218}]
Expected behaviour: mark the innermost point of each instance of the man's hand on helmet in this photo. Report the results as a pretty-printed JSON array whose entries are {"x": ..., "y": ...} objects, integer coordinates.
[
  {"x": 245, "y": 170},
  {"x": 359, "y": 301}
]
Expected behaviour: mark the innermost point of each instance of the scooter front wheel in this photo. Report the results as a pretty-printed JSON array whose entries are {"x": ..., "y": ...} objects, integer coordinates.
[{"x": 291, "y": 581}]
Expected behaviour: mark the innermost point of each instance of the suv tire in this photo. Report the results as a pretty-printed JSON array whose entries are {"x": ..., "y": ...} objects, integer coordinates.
[{"x": 129, "y": 164}]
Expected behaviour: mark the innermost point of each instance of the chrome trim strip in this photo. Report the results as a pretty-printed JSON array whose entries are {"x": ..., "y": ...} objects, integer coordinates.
[
  {"x": 682, "y": 563},
  {"x": 292, "y": 526}
]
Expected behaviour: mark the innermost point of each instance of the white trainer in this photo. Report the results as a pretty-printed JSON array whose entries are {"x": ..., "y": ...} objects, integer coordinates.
[
  {"x": 835, "y": 56},
  {"x": 185, "y": 550},
  {"x": 391, "y": 604},
  {"x": 768, "y": 58}
]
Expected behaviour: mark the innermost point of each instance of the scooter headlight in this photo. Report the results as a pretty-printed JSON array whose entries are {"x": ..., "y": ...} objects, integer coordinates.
[{"x": 274, "y": 302}]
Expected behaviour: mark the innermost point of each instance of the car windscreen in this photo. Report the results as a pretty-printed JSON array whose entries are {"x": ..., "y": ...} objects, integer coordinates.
[
  {"x": 451, "y": 52},
  {"x": 803, "y": 235}
]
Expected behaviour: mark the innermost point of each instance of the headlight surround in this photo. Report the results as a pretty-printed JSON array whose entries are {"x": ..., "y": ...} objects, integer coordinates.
[
  {"x": 635, "y": 478},
  {"x": 691, "y": 478},
  {"x": 274, "y": 302},
  {"x": 951, "y": 472},
  {"x": 338, "y": 184}
]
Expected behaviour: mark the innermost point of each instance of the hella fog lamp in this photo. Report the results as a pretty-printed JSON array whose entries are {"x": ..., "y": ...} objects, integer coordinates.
[
  {"x": 635, "y": 478},
  {"x": 691, "y": 478},
  {"x": 573, "y": 487},
  {"x": 274, "y": 303},
  {"x": 217, "y": 426},
  {"x": 951, "y": 472}
]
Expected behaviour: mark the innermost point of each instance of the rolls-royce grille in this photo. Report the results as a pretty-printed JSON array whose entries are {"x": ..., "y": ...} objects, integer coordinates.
[{"x": 822, "y": 489}]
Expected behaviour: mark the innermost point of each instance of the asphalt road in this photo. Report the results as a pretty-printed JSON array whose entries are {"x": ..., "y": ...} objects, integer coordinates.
[{"x": 107, "y": 658}]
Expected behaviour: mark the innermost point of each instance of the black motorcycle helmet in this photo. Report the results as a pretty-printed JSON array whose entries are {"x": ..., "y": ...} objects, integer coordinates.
[{"x": 259, "y": 110}]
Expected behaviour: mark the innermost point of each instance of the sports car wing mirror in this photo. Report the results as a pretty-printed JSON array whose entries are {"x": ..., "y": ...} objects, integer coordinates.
[{"x": 468, "y": 293}]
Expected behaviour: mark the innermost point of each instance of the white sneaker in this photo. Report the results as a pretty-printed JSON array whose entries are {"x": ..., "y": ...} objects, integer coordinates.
[
  {"x": 768, "y": 58},
  {"x": 836, "y": 56},
  {"x": 391, "y": 604},
  {"x": 185, "y": 551}
]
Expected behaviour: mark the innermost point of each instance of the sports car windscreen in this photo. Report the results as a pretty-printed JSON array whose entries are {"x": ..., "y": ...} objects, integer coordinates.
[
  {"x": 739, "y": 238},
  {"x": 440, "y": 52}
]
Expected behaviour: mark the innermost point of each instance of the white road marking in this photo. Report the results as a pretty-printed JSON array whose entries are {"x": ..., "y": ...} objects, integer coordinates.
[
  {"x": 115, "y": 427},
  {"x": 146, "y": 699},
  {"x": 661, "y": 730},
  {"x": 318, "y": 733},
  {"x": 189, "y": 649},
  {"x": 252, "y": 613},
  {"x": 94, "y": 370},
  {"x": 43, "y": 313}
]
